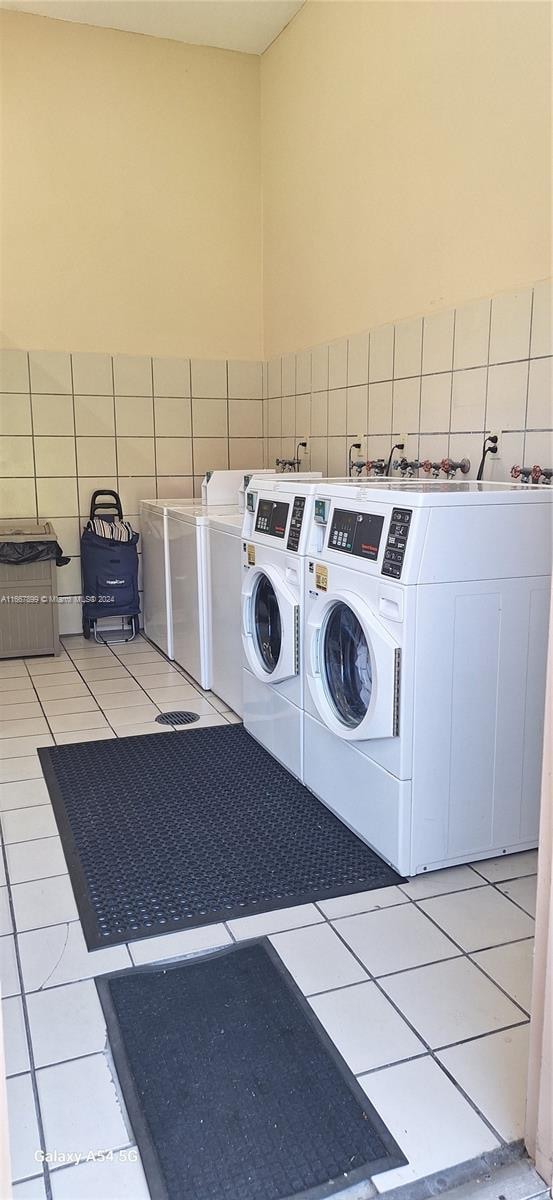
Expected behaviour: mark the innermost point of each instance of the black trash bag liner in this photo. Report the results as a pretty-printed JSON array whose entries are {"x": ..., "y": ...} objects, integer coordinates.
[{"x": 17, "y": 553}]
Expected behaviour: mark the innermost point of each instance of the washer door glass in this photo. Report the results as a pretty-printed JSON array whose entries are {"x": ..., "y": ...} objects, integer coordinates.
[
  {"x": 347, "y": 665},
  {"x": 267, "y": 623}
]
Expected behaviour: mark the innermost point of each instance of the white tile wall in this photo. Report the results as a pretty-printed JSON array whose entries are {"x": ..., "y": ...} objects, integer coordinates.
[
  {"x": 71, "y": 423},
  {"x": 444, "y": 380}
]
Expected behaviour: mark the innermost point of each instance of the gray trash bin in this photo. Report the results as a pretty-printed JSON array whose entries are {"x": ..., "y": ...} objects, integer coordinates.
[{"x": 28, "y": 590}]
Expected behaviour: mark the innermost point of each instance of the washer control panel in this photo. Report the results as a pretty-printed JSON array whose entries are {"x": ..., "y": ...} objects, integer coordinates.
[
  {"x": 296, "y": 521},
  {"x": 396, "y": 542}
]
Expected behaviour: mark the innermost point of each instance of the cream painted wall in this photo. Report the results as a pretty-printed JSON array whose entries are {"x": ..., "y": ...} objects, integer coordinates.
[
  {"x": 130, "y": 195},
  {"x": 405, "y": 161}
]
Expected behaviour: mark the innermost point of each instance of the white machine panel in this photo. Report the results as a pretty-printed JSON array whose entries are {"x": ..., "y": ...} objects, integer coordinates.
[{"x": 225, "y": 545}]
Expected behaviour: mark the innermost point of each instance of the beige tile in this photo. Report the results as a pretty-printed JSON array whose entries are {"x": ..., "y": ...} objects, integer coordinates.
[
  {"x": 246, "y": 418},
  {"x": 23, "y": 727},
  {"x": 317, "y": 958},
  {"x": 493, "y": 1072},
  {"x": 437, "y": 351},
  {"x": 68, "y": 530},
  {"x": 522, "y": 892},
  {"x": 337, "y": 412},
  {"x": 171, "y": 376},
  {"x": 175, "y": 486},
  {"x": 16, "y": 457},
  {"x": 50, "y": 372},
  {"x": 303, "y": 372},
  {"x": 381, "y": 353},
  {"x": 319, "y": 359},
  {"x": 18, "y": 712},
  {"x": 122, "y": 699},
  {"x": 179, "y": 944},
  {"x": 358, "y": 359},
  {"x": 209, "y": 377},
  {"x": 468, "y": 400},
  {"x": 173, "y": 416},
  {"x": 357, "y": 410},
  {"x": 275, "y": 921},
  {"x": 74, "y": 704},
  {"x": 435, "y": 403},
  {"x": 65, "y": 722},
  {"x": 22, "y": 746},
  {"x": 478, "y": 919},
  {"x": 57, "y": 498},
  {"x": 15, "y": 413},
  {"x": 394, "y": 939},
  {"x": 275, "y": 377},
  {"x": 134, "y": 416},
  {"x": 464, "y": 445},
  {"x": 359, "y": 902},
  {"x": 337, "y": 456},
  {"x": 84, "y": 735},
  {"x": 542, "y": 319},
  {"x": 52, "y": 414},
  {"x": 245, "y": 453},
  {"x": 209, "y": 418},
  {"x": 94, "y": 416},
  {"x": 14, "y": 371},
  {"x": 365, "y": 1028},
  {"x": 415, "y": 1099},
  {"x": 540, "y": 394},
  {"x": 538, "y": 448},
  {"x": 506, "y": 403},
  {"x": 55, "y": 456},
  {"x": 132, "y": 375},
  {"x": 63, "y": 691},
  {"x": 245, "y": 380},
  {"x": 169, "y": 698},
  {"x": 288, "y": 375},
  {"x": 319, "y": 454},
  {"x": 87, "y": 484},
  {"x": 136, "y": 715},
  {"x": 406, "y": 405},
  {"x": 143, "y": 727},
  {"x": 472, "y": 331},
  {"x": 303, "y": 416},
  {"x": 17, "y": 497},
  {"x": 174, "y": 455},
  {"x": 319, "y": 414},
  {"x": 338, "y": 364},
  {"x": 436, "y": 883},
  {"x": 96, "y": 455},
  {"x": 380, "y": 408},
  {"x": 210, "y": 454},
  {"x": 131, "y": 491},
  {"x": 92, "y": 374},
  {"x": 274, "y": 417},
  {"x": 510, "y": 326},
  {"x": 135, "y": 455},
  {"x": 408, "y": 348},
  {"x": 102, "y": 688},
  {"x": 511, "y": 967}
]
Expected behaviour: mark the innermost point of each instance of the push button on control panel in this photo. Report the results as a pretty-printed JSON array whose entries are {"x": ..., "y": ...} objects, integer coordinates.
[
  {"x": 296, "y": 521},
  {"x": 396, "y": 542}
]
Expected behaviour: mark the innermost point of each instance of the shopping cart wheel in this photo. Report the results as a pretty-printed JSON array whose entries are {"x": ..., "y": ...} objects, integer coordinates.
[{"x": 87, "y": 627}]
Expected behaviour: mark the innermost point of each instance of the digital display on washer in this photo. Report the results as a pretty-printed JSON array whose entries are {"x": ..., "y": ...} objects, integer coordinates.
[
  {"x": 271, "y": 518},
  {"x": 355, "y": 533}
]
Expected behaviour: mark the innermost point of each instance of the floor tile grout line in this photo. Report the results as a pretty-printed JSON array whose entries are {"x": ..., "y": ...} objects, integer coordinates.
[
  {"x": 30, "y": 1050},
  {"x": 477, "y": 950},
  {"x": 427, "y": 1045},
  {"x": 478, "y": 1037}
]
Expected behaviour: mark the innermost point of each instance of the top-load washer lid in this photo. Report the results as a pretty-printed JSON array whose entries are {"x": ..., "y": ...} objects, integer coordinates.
[
  {"x": 270, "y": 624},
  {"x": 352, "y": 667}
]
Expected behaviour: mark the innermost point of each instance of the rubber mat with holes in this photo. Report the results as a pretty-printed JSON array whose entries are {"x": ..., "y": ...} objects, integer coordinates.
[
  {"x": 165, "y": 832},
  {"x": 262, "y": 1106}
]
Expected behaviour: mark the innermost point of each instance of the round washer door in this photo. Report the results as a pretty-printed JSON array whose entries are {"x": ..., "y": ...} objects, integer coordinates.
[
  {"x": 352, "y": 668},
  {"x": 270, "y": 625}
]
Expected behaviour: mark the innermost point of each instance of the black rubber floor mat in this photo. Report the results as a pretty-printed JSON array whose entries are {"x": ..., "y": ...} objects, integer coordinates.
[
  {"x": 164, "y": 832},
  {"x": 233, "y": 1088}
]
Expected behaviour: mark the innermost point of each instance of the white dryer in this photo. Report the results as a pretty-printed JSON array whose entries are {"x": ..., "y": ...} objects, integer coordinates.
[
  {"x": 156, "y": 582},
  {"x": 426, "y": 616},
  {"x": 225, "y": 541}
]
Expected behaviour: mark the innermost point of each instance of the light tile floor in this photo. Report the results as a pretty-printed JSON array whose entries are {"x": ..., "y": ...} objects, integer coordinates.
[{"x": 424, "y": 987}]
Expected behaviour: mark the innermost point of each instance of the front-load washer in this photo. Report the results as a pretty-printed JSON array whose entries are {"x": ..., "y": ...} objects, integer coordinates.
[
  {"x": 273, "y": 547},
  {"x": 426, "y": 617},
  {"x": 225, "y": 542}
]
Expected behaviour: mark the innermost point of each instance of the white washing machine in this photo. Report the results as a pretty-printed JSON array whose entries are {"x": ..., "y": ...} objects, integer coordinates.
[
  {"x": 426, "y": 617},
  {"x": 218, "y": 487},
  {"x": 225, "y": 542},
  {"x": 277, "y": 520}
]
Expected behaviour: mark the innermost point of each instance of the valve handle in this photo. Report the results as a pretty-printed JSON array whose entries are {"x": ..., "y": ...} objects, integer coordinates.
[
  {"x": 536, "y": 473},
  {"x": 516, "y": 471},
  {"x": 445, "y": 466},
  {"x": 426, "y": 466}
]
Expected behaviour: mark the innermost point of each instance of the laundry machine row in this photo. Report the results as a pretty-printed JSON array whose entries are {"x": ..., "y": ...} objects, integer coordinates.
[{"x": 395, "y": 639}]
